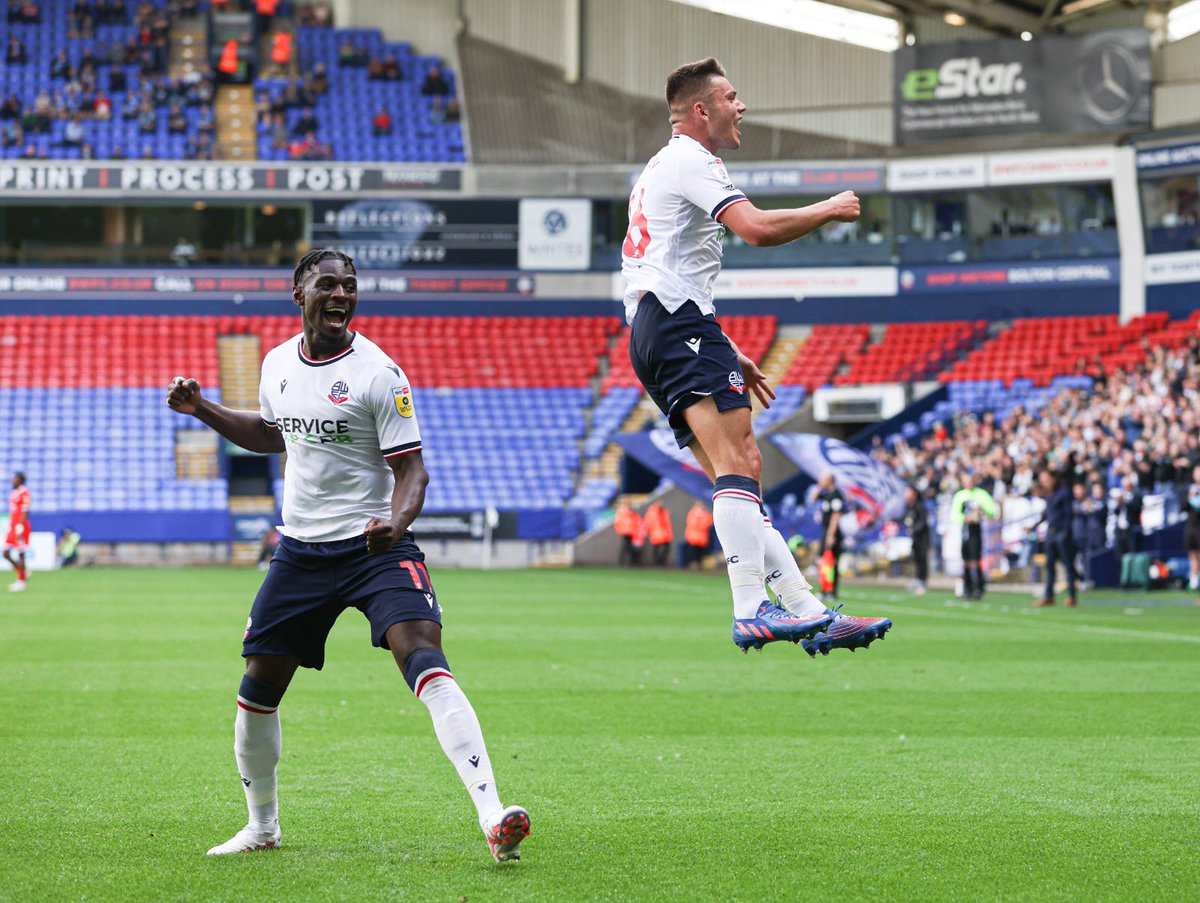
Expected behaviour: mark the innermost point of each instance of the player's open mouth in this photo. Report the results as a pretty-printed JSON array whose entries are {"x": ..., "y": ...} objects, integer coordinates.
[{"x": 337, "y": 316}]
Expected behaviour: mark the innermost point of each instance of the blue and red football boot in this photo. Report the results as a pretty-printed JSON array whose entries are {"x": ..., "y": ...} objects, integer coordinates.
[
  {"x": 847, "y": 633},
  {"x": 773, "y": 623}
]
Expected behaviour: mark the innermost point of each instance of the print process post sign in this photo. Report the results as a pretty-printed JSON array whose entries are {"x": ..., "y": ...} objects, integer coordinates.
[{"x": 1099, "y": 82}]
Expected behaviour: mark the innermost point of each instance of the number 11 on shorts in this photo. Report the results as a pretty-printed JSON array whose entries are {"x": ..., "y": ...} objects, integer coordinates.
[{"x": 415, "y": 570}]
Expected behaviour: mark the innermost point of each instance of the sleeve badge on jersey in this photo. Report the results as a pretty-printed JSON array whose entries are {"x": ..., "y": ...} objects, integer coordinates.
[{"x": 403, "y": 398}]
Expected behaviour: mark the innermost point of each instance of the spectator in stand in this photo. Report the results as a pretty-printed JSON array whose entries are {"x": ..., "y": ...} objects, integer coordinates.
[
  {"x": 382, "y": 123},
  {"x": 118, "y": 153},
  {"x": 60, "y": 66},
  {"x": 453, "y": 114},
  {"x": 24, "y": 11},
  {"x": 351, "y": 56},
  {"x": 176, "y": 121},
  {"x": 16, "y": 52},
  {"x": 30, "y": 152},
  {"x": 117, "y": 82},
  {"x": 129, "y": 106},
  {"x": 147, "y": 118},
  {"x": 435, "y": 83},
  {"x": 375, "y": 70},
  {"x": 391, "y": 69},
  {"x": 86, "y": 152},
  {"x": 102, "y": 108},
  {"x": 184, "y": 253},
  {"x": 188, "y": 8},
  {"x": 310, "y": 149},
  {"x": 43, "y": 113},
  {"x": 148, "y": 152},
  {"x": 306, "y": 123},
  {"x": 318, "y": 81},
  {"x": 437, "y": 111},
  {"x": 279, "y": 132},
  {"x": 916, "y": 521},
  {"x": 318, "y": 14},
  {"x": 1059, "y": 544},
  {"x": 697, "y": 536},
  {"x": 262, "y": 109},
  {"x": 13, "y": 134},
  {"x": 11, "y": 108},
  {"x": 206, "y": 123},
  {"x": 73, "y": 133},
  {"x": 659, "y": 532}
]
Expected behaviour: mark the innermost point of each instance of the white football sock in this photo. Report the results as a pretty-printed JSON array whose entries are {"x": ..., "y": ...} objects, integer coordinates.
[
  {"x": 257, "y": 743},
  {"x": 737, "y": 515},
  {"x": 458, "y": 731},
  {"x": 784, "y": 577}
]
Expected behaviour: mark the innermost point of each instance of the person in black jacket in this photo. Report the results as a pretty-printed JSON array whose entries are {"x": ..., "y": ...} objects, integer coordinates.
[
  {"x": 916, "y": 521},
  {"x": 1128, "y": 509},
  {"x": 1059, "y": 543}
]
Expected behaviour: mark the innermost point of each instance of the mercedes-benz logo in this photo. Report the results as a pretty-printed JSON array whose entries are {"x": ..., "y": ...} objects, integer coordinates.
[{"x": 1110, "y": 82}]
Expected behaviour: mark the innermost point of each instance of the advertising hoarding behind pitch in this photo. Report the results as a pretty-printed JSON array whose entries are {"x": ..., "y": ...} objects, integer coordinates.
[{"x": 1099, "y": 82}]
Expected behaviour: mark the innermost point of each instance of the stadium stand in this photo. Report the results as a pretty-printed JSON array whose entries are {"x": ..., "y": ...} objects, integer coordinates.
[
  {"x": 506, "y": 399},
  {"x": 912, "y": 351},
  {"x": 1040, "y": 350},
  {"x": 415, "y": 133}
]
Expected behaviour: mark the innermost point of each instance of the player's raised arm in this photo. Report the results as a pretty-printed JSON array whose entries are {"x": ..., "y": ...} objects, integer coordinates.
[
  {"x": 242, "y": 428},
  {"x": 768, "y": 228}
]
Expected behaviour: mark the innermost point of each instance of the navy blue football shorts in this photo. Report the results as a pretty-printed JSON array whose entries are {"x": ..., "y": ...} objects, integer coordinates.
[
  {"x": 682, "y": 358},
  {"x": 310, "y": 583}
]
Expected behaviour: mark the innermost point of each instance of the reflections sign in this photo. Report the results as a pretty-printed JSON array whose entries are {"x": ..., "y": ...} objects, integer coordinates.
[{"x": 1096, "y": 83}]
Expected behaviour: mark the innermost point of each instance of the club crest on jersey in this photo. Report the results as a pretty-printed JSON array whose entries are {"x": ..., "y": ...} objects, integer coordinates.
[
  {"x": 402, "y": 395},
  {"x": 737, "y": 382},
  {"x": 339, "y": 392}
]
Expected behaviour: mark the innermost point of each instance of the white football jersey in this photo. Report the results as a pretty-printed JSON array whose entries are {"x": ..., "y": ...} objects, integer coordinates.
[
  {"x": 340, "y": 419},
  {"x": 673, "y": 247}
]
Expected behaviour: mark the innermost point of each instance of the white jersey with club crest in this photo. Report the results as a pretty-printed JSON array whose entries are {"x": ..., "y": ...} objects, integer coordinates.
[
  {"x": 341, "y": 419},
  {"x": 673, "y": 247}
]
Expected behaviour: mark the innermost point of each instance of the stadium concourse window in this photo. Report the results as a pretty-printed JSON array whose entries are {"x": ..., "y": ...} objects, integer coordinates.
[
  {"x": 1042, "y": 222},
  {"x": 242, "y": 235},
  {"x": 931, "y": 228},
  {"x": 1171, "y": 212}
]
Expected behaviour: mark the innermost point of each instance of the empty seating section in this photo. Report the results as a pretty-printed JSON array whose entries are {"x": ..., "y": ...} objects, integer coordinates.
[
  {"x": 42, "y": 41},
  {"x": 1040, "y": 350},
  {"x": 106, "y": 352},
  {"x": 500, "y": 447},
  {"x": 94, "y": 449},
  {"x": 346, "y": 111},
  {"x": 827, "y": 349},
  {"x": 912, "y": 351},
  {"x": 502, "y": 401}
]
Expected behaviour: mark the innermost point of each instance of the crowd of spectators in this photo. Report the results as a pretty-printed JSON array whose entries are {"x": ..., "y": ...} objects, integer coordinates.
[
  {"x": 147, "y": 97},
  {"x": 1137, "y": 433}
]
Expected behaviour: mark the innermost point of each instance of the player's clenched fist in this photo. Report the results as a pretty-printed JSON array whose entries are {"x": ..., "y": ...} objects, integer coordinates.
[
  {"x": 846, "y": 207},
  {"x": 183, "y": 395}
]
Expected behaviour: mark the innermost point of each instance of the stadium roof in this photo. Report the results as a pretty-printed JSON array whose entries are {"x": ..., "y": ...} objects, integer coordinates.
[{"x": 881, "y": 23}]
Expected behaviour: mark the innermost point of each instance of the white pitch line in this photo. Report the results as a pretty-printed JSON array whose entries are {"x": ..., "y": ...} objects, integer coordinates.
[{"x": 1080, "y": 628}]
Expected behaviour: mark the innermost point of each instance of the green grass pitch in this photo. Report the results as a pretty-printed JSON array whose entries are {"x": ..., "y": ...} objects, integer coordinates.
[{"x": 979, "y": 753}]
